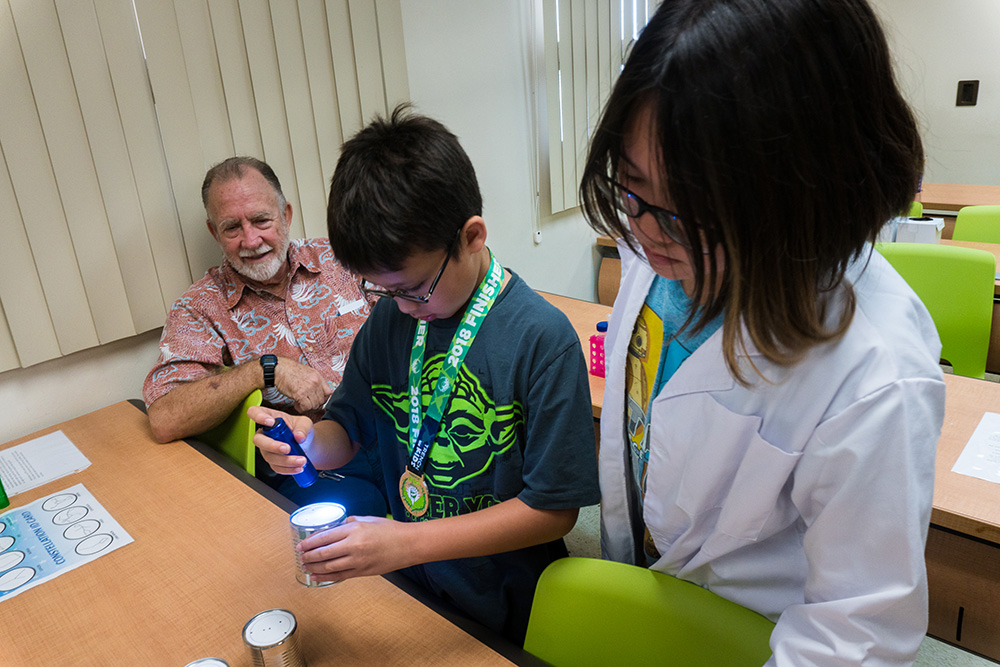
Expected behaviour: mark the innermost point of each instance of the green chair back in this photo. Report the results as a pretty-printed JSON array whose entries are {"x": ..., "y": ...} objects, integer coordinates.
[
  {"x": 588, "y": 612},
  {"x": 916, "y": 210},
  {"x": 979, "y": 224},
  {"x": 956, "y": 286},
  {"x": 234, "y": 436}
]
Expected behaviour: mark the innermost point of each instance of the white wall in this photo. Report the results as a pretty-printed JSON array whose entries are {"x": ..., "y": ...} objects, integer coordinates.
[
  {"x": 466, "y": 63},
  {"x": 936, "y": 45},
  {"x": 42, "y": 395}
]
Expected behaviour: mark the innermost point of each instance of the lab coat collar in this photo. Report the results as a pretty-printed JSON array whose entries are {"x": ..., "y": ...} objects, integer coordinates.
[{"x": 705, "y": 370}]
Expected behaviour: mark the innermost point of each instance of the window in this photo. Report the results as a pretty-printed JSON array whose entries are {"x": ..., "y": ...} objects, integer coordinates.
[
  {"x": 106, "y": 135},
  {"x": 585, "y": 43}
]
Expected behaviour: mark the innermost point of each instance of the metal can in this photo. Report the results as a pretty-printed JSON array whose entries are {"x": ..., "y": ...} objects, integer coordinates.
[
  {"x": 208, "y": 662},
  {"x": 270, "y": 637},
  {"x": 307, "y": 521}
]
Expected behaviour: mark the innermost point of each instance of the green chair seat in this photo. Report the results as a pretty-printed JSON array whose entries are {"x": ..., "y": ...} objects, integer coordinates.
[
  {"x": 956, "y": 286},
  {"x": 234, "y": 436},
  {"x": 979, "y": 224},
  {"x": 588, "y": 612}
]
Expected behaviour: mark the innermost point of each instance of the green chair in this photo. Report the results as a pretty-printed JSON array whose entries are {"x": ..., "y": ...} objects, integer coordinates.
[
  {"x": 234, "y": 436},
  {"x": 596, "y": 612},
  {"x": 956, "y": 286},
  {"x": 980, "y": 224},
  {"x": 916, "y": 210}
]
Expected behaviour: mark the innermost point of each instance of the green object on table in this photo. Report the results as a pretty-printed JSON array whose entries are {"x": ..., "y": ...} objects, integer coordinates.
[{"x": 4, "y": 500}]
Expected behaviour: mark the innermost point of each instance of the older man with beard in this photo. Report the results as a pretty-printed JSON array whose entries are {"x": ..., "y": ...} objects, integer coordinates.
[{"x": 276, "y": 315}]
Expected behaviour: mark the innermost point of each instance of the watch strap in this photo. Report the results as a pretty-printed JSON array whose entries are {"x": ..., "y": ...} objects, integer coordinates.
[{"x": 268, "y": 362}]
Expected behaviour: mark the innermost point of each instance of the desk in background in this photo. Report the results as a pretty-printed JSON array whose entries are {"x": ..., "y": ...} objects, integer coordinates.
[
  {"x": 963, "y": 545},
  {"x": 963, "y": 548},
  {"x": 953, "y": 196},
  {"x": 209, "y": 553},
  {"x": 584, "y": 316}
]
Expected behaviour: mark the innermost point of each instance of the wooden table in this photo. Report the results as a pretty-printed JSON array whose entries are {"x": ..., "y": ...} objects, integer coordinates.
[
  {"x": 963, "y": 547},
  {"x": 209, "y": 553},
  {"x": 584, "y": 316},
  {"x": 953, "y": 196}
]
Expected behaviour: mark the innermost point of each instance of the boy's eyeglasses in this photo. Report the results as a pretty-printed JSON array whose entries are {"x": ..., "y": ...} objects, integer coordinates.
[
  {"x": 370, "y": 289},
  {"x": 633, "y": 206}
]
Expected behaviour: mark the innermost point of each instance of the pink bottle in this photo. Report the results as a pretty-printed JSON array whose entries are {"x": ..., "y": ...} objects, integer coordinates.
[{"x": 597, "y": 350}]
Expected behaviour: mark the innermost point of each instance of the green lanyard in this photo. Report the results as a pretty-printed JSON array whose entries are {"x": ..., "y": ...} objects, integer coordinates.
[{"x": 423, "y": 428}]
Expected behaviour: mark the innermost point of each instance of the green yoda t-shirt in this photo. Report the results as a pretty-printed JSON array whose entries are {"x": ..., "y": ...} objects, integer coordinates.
[{"x": 518, "y": 425}]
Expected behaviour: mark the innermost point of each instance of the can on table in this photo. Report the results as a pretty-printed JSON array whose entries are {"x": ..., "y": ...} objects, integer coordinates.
[
  {"x": 307, "y": 521},
  {"x": 270, "y": 637}
]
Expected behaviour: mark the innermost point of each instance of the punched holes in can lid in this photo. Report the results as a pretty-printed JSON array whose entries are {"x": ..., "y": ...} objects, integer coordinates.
[{"x": 269, "y": 628}]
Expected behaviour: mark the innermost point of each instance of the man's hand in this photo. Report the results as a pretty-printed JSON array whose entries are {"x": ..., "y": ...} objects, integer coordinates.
[
  {"x": 277, "y": 453},
  {"x": 303, "y": 384}
]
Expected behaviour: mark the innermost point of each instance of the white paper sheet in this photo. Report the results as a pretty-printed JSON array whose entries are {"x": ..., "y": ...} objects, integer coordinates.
[
  {"x": 981, "y": 456},
  {"x": 54, "y": 534},
  {"x": 39, "y": 461}
]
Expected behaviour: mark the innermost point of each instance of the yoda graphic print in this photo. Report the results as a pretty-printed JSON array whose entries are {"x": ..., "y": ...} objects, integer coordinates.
[{"x": 474, "y": 432}]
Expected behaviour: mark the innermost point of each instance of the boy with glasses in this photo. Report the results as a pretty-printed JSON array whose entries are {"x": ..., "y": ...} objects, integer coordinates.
[{"x": 470, "y": 387}]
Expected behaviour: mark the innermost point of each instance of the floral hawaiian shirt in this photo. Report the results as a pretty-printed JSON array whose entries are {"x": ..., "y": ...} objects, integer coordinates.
[{"x": 223, "y": 321}]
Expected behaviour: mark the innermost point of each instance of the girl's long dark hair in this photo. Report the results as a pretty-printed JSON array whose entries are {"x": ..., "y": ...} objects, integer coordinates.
[{"x": 784, "y": 139}]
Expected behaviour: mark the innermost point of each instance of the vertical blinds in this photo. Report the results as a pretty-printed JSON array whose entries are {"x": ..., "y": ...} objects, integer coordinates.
[
  {"x": 112, "y": 114},
  {"x": 585, "y": 44}
]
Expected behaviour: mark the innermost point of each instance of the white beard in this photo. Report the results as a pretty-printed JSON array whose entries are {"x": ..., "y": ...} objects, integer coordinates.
[{"x": 262, "y": 273}]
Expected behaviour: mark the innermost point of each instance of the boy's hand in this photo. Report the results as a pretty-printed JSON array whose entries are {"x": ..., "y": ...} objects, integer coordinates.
[
  {"x": 273, "y": 451},
  {"x": 361, "y": 546}
]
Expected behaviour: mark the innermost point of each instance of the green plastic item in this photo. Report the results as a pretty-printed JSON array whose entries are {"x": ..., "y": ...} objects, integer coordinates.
[
  {"x": 916, "y": 210},
  {"x": 234, "y": 437},
  {"x": 979, "y": 224},
  {"x": 956, "y": 286},
  {"x": 589, "y": 612}
]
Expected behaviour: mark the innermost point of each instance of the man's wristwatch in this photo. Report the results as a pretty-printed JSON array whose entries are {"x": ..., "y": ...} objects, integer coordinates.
[{"x": 268, "y": 362}]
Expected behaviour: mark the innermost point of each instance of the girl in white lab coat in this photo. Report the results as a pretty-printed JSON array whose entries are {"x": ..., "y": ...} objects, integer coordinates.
[{"x": 773, "y": 390}]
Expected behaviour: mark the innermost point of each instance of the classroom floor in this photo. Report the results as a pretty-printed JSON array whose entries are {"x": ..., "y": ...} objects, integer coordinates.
[{"x": 585, "y": 540}]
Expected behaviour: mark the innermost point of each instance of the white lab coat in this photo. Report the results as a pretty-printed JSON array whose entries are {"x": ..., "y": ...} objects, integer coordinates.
[{"x": 806, "y": 499}]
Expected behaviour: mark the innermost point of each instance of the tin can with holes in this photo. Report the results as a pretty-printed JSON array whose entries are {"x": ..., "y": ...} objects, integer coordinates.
[
  {"x": 270, "y": 637},
  {"x": 309, "y": 520}
]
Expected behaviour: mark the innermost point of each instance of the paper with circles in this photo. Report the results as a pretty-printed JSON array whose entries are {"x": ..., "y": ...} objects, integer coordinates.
[
  {"x": 52, "y": 535},
  {"x": 981, "y": 455}
]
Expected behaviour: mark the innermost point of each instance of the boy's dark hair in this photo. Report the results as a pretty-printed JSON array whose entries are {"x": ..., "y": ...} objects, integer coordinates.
[
  {"x": 401, "y": 185},
  {"x": 234, "y": 168},
  {"x": 784, "y": 139}
]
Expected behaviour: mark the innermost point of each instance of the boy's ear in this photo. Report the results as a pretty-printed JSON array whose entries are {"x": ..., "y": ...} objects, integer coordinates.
[{"x": 474, "y": 234}]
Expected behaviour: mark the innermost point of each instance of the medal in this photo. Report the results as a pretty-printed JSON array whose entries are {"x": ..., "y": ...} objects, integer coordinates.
[
  {"x": 413, "y": 493},
  {"x": 423, "y": 427}
]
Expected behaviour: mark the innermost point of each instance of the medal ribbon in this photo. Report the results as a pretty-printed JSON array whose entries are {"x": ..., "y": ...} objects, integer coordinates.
[{"x": 423, "y": 429}]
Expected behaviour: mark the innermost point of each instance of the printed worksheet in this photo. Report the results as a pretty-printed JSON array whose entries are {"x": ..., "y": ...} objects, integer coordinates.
[
  {"x": 52, "y": 535},
  {"x": 39, "y": 461},
  {"x": 981, "y": 456}
]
